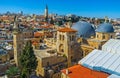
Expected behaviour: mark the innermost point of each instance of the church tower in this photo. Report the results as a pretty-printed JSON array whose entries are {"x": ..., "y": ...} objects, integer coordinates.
[
  {"x": 65, "y": 38},
  {"x": 46, "y": 13},
  {"x": 17, "y": 41}
]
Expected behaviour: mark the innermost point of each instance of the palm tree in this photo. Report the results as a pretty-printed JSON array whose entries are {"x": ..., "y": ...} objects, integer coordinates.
[{"x": 12, "y": 72}]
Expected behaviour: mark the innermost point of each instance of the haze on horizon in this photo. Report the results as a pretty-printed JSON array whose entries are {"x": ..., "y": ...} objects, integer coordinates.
[{"x": 89, "y": 8}]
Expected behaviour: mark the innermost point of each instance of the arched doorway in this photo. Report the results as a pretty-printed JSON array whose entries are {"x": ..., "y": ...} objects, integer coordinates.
[{"x": 61, "y": 48}]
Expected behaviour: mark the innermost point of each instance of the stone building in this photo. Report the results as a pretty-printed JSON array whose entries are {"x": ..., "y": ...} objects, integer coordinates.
[
  {"x": 67, "y": 44},
  {"x": 3, "y": 56},
  {"x": 28, "y": 34},
  {"x": 91, "y": 38},
  {"x": 52, "y": 59},
  {"x": 71, "y": 45},
  {"x": 66, "y": 48}
]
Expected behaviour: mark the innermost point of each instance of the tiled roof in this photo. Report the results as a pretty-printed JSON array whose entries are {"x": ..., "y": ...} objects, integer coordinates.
[
  {"x": 67, "y": 30},
  {"x": 79, "y": 71},
  {"x": 35, "y": 43},
  {"x": 49, "y": 26},
  {"x": 37, "y": 34},
  {"x": 43, "y": 23}
]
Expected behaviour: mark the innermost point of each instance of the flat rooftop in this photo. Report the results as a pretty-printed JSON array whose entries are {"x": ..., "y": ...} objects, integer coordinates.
[{"x": 45, "y": 53}]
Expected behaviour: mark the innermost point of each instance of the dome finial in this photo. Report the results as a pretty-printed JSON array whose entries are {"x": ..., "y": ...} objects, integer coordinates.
[
  {"x": 110, "y": 20},
  {"x": 106, "y": 19}
]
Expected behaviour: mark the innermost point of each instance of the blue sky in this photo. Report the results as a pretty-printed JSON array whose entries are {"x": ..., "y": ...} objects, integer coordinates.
[{"x": 91, "y": 8}]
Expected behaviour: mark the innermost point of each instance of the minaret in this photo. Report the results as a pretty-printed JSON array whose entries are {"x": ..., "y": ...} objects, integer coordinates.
[
  {"x": 17, "y": 41},
  {"x": 46, "y": 13}
]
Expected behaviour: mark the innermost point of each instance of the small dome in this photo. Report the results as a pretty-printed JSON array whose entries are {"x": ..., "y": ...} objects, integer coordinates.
[
  {"x": 84, "y": 29},
  {"x": 105, "y": 28}
]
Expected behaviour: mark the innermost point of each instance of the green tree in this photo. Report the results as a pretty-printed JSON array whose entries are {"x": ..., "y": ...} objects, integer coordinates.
[
  {"x": 28, "y": 61},
  {"x": 51, "y": 21},
  {"x": 12, "y": 71},
  {"x": 46, "y": 19},
  {"x": 59, "y": 23}
]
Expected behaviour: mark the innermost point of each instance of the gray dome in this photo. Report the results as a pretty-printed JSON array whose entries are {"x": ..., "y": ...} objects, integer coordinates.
[
  {"x": 105, "y": 28},
  {"x": 84, "y": 29}
]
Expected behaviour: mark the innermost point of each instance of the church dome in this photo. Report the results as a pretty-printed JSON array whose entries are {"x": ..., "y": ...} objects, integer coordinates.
[
  {"x": 84, "y": 29},
  {"x": 105, "y": 28}
]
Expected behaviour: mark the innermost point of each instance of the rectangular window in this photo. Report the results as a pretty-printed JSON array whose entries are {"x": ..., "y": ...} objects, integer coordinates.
[
  {"x": 63, "y": 37},
  {"x": 72, "y": 38},
  {"x": 60, "y": 37},
  {"x": 47, "y": 63},
  {"x": 103, "y": 36},
  {"x": 111, "y": 36},
  {"x": 97, "y": 36}
]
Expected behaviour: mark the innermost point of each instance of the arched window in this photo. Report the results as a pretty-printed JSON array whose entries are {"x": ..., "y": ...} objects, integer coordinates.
[
  {"x": 97, "y": 36},
  {"x": 47, "y": 63},
  {"x": 71, "y": 57},
  {"x": 81, "y": 35},
  {"x": 111, "y": 36},
  {"x": 71, "y": 38},
  {"x": 103, "y": 36},
  {"x": 63, "y": 37},
  {"x": 60, "y": 37},
  {"x": 62, "y": 50}
]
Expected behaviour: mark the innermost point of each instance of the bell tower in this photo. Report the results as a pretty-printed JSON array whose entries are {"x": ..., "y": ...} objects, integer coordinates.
[
  {"x": 17, "y": 41},
  {"x": 46, "y": 13},
  {"x": 65, "y": 39}
]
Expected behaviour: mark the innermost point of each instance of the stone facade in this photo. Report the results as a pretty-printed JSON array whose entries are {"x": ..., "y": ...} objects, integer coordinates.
[
  {"x": 28, "y": 34},
  {"x": 104, "y": 36},
  {"x": 50, "y": 63},
  {"x": 89, "y": 44},
  {"x": 68, "y": 52},
  {"x": 18, "y": 46},
  {"x": 4, "y": 58}
]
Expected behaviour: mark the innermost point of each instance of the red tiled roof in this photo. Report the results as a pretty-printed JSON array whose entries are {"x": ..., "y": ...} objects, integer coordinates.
[
  {"x": 7, "y": 18},
  {"x": 48, "y": 26},
  {"x": 1, "y": 26},
  {"x": 79, "y": 71},
  {"x": 35, "y": 43},
  {"x": 43, "y": 23},
  {"x": 67, "y": 30},
  {"x": 48, "y": 34},
  {"x": 37, "y": 34}
]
